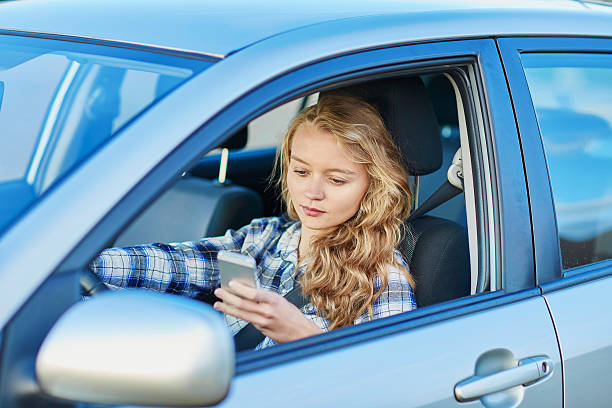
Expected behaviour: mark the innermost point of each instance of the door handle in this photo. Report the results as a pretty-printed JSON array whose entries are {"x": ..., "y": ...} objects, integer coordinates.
[{"x": 528, "y": 371}]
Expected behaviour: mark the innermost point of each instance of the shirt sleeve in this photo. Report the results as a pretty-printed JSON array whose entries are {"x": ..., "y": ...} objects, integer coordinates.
[{"x": 180, "y": 268}]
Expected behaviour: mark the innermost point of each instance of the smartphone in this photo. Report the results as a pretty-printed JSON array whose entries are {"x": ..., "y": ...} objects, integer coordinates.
[{"x": 235, "y": 266}]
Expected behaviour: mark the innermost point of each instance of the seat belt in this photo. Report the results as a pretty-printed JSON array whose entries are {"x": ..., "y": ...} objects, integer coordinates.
[
  {"x": 444, "y": 193},
  {"x": 450, "y": 188},
  {"x": 249, "y": 337}
]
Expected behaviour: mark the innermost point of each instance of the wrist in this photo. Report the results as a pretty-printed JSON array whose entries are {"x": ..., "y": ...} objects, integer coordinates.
[
  {"x": 313, "y": 329},
  {"x": 306, "y": 330}
]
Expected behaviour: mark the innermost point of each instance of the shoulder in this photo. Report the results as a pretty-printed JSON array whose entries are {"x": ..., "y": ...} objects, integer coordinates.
[
  {"x": 268, "y": 225},
  {"x": 262, "y": 234}
]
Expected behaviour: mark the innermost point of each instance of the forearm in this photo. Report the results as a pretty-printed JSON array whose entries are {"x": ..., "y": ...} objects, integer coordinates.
[{"x": 176, "y": 269}]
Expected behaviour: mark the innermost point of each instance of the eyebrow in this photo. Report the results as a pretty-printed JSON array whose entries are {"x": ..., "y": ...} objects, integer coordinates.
[{"x": 344, "y": 171}]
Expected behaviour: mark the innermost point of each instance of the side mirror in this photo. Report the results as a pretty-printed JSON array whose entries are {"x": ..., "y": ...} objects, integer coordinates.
[{"x": 138, "y": 347}]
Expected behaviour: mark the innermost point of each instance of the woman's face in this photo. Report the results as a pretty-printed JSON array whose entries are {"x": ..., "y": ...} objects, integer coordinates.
[{"x": 325, "y": 185}]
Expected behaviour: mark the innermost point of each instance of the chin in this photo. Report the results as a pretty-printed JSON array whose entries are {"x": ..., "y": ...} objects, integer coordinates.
[
  {"x": 313, "y": 223},
  {"x": 319, "y": 225}
]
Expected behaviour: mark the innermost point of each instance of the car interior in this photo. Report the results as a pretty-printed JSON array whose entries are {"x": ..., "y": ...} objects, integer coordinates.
[{"x": 231, "y": 185}]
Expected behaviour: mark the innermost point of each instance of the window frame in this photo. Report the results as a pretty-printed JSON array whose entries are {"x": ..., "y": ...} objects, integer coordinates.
[
  {"x": 549, "y": 271},
  {"x": 497, "y": 135}
]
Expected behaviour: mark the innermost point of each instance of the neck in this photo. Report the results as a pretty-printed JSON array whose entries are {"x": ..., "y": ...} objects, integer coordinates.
[{"x": 304, "y": 247}]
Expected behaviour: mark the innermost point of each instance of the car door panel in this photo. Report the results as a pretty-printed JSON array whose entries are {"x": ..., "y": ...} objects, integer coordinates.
[
  {"x": 585, "y": 334},
  {"x": 416, "y": 368},
  {"x": 568, "y": 186}
]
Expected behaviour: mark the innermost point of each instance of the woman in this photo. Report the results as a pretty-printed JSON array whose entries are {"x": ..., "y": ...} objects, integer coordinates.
[{"x": 346, "y": 195}]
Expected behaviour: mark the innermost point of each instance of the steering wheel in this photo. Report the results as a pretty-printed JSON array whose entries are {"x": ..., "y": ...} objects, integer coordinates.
[{"x": 91, "y": 284}]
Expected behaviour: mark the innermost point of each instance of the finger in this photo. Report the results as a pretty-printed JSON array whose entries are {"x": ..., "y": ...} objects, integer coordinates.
[
  {"x": 265, "y": 296},
  {"x": 257, "y": 295},
  {"x": 230, "y": 298},
  {"x": 243, "y": 290},
  {"x": 252, "y": 317}
]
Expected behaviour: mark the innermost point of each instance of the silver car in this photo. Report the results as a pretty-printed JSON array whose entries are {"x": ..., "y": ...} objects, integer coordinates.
[{"x": 124, "y": 122}]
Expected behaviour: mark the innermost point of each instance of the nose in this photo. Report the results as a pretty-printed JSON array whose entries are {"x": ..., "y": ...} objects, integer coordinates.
[{"x": 314, "y": 190}]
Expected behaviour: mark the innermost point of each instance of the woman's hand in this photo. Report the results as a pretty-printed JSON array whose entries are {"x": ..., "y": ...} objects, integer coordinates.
[{"x": 269, "y": 312}]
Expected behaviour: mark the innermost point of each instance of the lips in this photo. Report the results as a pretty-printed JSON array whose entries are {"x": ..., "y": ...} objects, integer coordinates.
[{"x": 312, "y": 212}]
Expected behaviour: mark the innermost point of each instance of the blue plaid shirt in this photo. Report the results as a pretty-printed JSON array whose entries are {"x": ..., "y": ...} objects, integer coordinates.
[{"x": 190, "y": 267}]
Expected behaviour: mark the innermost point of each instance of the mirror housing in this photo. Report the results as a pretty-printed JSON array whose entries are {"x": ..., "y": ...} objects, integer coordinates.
[{"x": 138, "y": 347}]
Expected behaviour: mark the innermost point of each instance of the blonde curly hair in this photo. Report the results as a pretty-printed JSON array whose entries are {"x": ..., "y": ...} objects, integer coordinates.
[{"x": 342, "y": 266}]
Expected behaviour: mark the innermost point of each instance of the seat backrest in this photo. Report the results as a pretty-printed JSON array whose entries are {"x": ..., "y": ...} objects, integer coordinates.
[
  {"x": 196, "y": 207},
  {"x": 191, "y": 209},
  {"x": 437, "y": 251}
]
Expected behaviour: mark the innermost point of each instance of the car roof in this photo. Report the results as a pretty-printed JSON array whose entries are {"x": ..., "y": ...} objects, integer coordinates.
[{"x": 219, "y": 28}]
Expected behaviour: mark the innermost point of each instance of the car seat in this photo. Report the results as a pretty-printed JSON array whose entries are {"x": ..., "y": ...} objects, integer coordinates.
[
  {"x": 436, "y": 249},
  {"x": 194, "y": 208}
]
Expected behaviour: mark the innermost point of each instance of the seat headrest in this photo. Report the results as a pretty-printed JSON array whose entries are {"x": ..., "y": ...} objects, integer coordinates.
[
  {"x": 446, "y": 110},
  {"x": 236, "y": 141},
  {"x": 407, "y": 111}
]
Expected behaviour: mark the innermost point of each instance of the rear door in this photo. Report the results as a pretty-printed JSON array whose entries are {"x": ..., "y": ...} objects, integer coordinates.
[{"x": 562, "y": 88}]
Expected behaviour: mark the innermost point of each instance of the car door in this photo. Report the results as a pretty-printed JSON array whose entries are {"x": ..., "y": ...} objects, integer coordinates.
[
  {"x": 436, "y": 355},
  {"x": 563, "y": 88}
]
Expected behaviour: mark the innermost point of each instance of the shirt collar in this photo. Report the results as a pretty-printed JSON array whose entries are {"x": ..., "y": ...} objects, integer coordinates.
[{"x": 289, "y": 242}]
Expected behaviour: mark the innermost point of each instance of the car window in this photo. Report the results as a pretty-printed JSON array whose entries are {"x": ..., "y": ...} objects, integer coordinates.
[
  {"x": 61, "y": 101},
  {"x": 203, "y": 207},
  {"x": 572, "y": 95}
]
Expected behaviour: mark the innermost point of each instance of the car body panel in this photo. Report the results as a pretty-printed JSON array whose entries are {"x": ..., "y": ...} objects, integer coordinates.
[
  {"x": 219, "y": 29},
  {"x": 423, "y": 356},
  {"x": 584, "y": 328},
  {"x": 578, "y": 298},
  {"x": 417, "y": 368}
]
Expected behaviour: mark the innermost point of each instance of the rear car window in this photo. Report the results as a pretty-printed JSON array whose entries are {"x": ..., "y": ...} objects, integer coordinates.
[
  {"x": 572, "y": 95},
  {"x": 60, "y": 101}
]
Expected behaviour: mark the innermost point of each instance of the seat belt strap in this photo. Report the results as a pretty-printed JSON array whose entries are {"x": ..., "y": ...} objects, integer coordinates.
[
  {"x": 452, "y": 187},
  {"x": 444, "y": 193},
  {"x": 249, "y": 337}
]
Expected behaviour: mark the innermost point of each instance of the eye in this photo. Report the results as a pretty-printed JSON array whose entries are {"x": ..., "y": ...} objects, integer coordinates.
[
  {"x": 337, "y": 181},
  {"x": 300, "y": 172}
]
